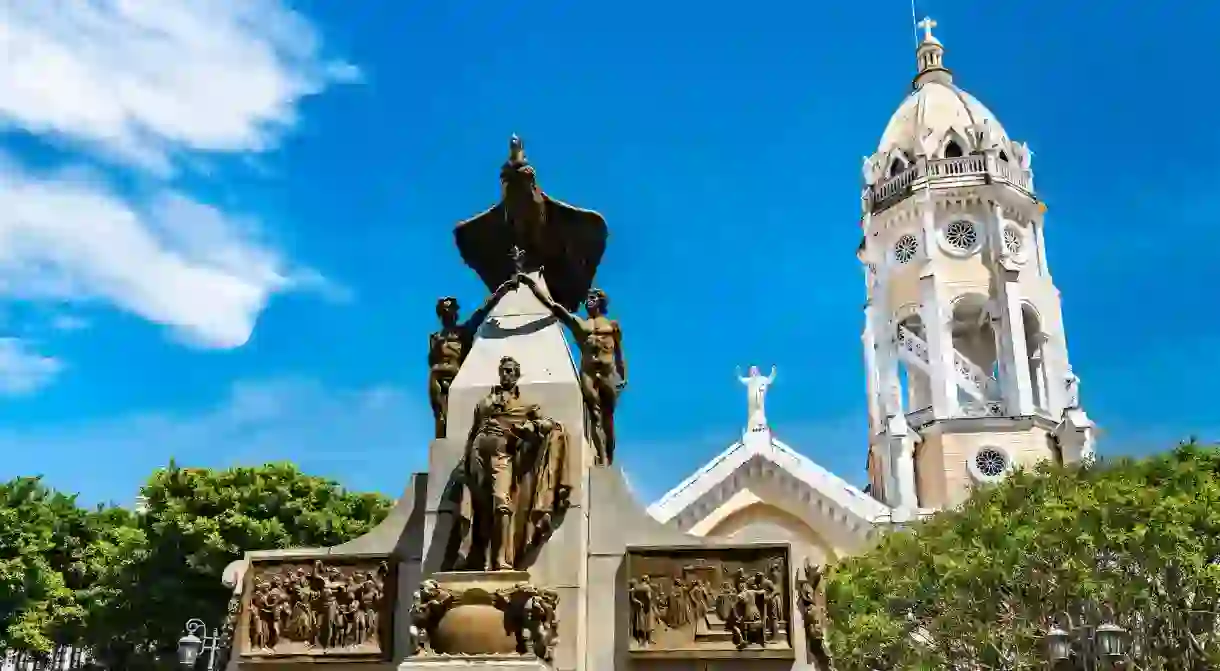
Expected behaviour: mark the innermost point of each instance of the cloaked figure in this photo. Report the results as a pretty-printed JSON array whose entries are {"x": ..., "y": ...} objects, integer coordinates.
[{"x": 565, "y": 242}]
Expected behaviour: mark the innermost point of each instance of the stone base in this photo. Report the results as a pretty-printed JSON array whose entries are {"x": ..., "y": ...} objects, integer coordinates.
[
  {"x": 460, "y": 582},
  {"x": 474, "y": 662}
]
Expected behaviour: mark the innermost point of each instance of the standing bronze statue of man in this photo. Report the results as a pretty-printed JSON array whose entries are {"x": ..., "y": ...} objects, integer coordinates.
[
  {"x": 448, "y": 347},
  {"x": 513, "y": 476},
  {"x": 603, "y": 371}
]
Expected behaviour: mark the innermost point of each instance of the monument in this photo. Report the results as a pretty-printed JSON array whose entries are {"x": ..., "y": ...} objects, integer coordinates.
[{"x": 521, "y": 547}]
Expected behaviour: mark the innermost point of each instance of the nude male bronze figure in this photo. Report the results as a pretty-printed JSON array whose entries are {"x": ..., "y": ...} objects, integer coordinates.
[
  {"x": 448, "y": 347},
  {"x": 603, "y": 370}
]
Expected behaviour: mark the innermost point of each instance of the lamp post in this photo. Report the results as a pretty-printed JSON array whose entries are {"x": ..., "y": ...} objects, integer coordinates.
[
  {"x": 195, "y": 642},
  {"x": 1077, "y": 645}
]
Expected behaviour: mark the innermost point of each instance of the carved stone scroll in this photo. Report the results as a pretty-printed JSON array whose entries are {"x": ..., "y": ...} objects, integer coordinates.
[
  {"x": 339, "y": 609},
  {"x": 709, "y": 602}
]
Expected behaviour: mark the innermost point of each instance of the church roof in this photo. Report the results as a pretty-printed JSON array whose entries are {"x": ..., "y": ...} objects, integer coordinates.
[{"x": 760, "y": 452}]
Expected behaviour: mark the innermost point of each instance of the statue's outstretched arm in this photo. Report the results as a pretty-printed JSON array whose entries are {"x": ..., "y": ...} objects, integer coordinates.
[
  {"x": 743, "y": 380},
  {"x": 477, "y": 317},
  {"x": 771, "y": 377},
  {"x": 569, "y": 320}
]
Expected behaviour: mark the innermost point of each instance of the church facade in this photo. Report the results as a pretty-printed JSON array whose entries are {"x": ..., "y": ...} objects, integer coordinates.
[{"x": 968, "y": 374}]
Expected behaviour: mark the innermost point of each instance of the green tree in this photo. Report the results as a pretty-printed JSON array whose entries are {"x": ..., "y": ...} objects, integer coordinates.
[
  {"x": 974, "y": 587},
  {"x": 39, "y": 530},
  {"x": 166, "y": 567}
]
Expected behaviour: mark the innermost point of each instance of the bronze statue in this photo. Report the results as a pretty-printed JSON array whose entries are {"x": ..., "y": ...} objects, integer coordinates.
[
  {"x": 811, "y": 592},
  {"x": 513, "y": 478},
  {"x": 448, "y": 347},
  {"x": 566, "y": 243},
  {"x": 603, "y": 371}
]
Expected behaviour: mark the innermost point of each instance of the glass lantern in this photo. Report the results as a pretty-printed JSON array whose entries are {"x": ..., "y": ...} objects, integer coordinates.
[
  {"x": 1111, "y": 642},
  {"x": 1058, "y": 645},
  {"x": 189, "y": 647}
]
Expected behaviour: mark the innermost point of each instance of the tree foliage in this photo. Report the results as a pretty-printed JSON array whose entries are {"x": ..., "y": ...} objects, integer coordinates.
[
  {"x": 123, "y": 583},
  {"x": 975, "y": 587}
]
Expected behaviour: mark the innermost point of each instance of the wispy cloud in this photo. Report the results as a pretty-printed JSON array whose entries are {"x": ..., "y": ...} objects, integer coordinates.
[
  {"x": 172, "y": 261},
  {"x": 149, "y": 87},
  {"x": 23, "y": 370},
  {"x": 376, "y": 436},
  {"x": 143, "y": 81}
]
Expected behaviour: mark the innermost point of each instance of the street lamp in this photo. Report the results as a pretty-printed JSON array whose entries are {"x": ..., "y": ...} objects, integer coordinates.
[
  {"x": 1081, "y": 646},
  {"x": 195, "y": 642}
]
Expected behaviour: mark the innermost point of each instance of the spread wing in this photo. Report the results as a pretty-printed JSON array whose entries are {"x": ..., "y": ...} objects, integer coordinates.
[
  {"x": 581, "y": 236},
  {"x": 484, "y": 242}
]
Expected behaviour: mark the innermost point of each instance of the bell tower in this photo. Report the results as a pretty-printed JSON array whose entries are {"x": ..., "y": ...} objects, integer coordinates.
[{"x": 968, "y": 368}]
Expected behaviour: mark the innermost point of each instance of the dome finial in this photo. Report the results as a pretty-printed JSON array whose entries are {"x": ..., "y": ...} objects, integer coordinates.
[
  {"x": 930, "y": 57},
  {"x": 928, "y": 24}
]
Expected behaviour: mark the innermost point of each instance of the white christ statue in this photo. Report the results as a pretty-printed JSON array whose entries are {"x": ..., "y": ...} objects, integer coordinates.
[{"x": 756, "y": 395}]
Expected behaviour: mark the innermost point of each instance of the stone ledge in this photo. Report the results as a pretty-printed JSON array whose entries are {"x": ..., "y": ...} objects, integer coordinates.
[{"x": 473, "y": 662}]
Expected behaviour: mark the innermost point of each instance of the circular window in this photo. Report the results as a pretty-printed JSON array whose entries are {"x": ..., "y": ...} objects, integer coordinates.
[
  {"x": 961, "y": 235},
  {"x": 1014, "y": 241},
  {"x": 990, "y": 462},
  {"x": 905, "y": 248}
]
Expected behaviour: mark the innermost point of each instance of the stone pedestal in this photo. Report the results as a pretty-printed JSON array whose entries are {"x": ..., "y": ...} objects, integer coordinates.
[{"x": 473, "y": 663}]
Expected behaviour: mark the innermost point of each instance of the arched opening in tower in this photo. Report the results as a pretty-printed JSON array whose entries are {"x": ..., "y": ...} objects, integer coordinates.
[
  {"x": 916, "y": 386},
  {"x": 975, "y": 341},
  {"x": 897, "y": 166},
  {"x": 1035, "y": 347},
  {"x": 953, "y": 149}
]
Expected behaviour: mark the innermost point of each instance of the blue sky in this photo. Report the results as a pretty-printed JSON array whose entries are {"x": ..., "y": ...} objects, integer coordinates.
[{"x": 223, "y": 230}]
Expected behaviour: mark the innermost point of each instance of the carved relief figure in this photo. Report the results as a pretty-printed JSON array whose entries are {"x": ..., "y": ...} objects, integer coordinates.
[
  {"x": 428, "y": 606},
  {"x": 603, "y": 370},
  {"x": 448, "y": 347},
  {"x": 643, "y": 609},
  {"x": 748, "y": 618},
  {"x": 319, "y": 609},
  {"x": 700, "y": 597},
  {"x": 529, "y": 615},
  {"x": 566, "y": 243},
  {"x": 513, "y": 478},
  {"x": 813, "y": 614},
  {"x": 679, "y": 613},
  {"x": 756, "y": 397}
]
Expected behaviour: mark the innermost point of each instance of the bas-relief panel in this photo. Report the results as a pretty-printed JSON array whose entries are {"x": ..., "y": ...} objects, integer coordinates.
[
  {"x": 339, "y": 609},
  {"x": 710, "y": 602}
]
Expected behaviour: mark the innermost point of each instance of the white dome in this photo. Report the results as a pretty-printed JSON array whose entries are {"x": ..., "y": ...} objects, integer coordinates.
[
  {"x": 932, "y": 115},
  {"x": 938, "y": 120}
]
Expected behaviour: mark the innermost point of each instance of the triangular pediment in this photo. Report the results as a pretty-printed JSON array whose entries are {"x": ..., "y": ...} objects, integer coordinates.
[{"x": 762, "y": 469}]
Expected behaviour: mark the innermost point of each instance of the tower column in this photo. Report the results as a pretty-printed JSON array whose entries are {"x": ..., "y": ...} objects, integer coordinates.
[
  {"x": 1015, "y": 383},
  {"x": 943, "y": 371},
  {"x": 868, "y": 340}
]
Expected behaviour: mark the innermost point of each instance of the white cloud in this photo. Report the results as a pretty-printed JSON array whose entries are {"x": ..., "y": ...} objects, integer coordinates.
[
  {"x": 143, "y": 80},
  {"x": 23, "y": 370},
  {"x": 174, "y": 261},
  {"x": 368, "y": 438},
  {"x": 154, "y": 84}
]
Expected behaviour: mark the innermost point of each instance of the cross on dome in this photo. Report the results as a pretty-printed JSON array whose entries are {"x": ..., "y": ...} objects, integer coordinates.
[{"x": 927, "y": 24}]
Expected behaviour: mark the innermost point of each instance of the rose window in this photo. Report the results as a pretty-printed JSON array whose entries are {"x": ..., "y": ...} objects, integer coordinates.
[
  {"x": 1012, "y": 241},
  {"x": 905, "y": 248},
  {"x": 961, "y": 235},
  {"x": 990, "y": 462}
]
